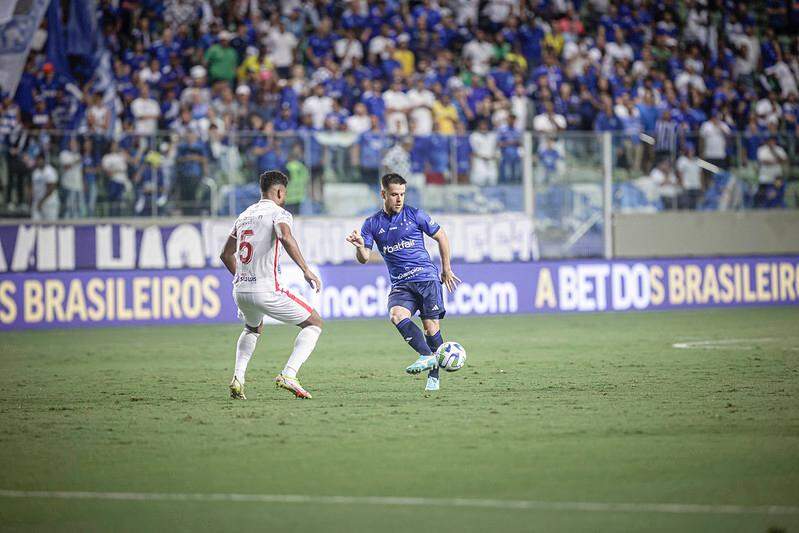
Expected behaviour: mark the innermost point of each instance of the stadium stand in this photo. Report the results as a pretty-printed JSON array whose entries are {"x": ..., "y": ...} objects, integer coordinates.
[{"x": 171, "y": 107}]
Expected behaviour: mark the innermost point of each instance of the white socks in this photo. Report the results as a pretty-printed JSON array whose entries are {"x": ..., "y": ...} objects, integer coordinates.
[
  {"x": 244, "y": 349},
  {"x": 303, "y": 346}
]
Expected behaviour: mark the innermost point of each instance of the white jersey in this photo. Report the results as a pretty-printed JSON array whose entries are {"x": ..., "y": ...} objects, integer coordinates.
[{"x": 259, "y": 250}]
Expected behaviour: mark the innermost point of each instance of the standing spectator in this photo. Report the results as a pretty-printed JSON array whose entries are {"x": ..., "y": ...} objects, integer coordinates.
[
  {"x": 421, "y": 101},
  {"x": 14, "y": 141},
  {"x": 463, "y": 153},
  {"x": 549, "y": 121},
  {"x": 439, "y": 148},
  {"x": 115, "y": 166},
  {"x": 98, "y": 116},
  {"x": 282, "y": 44},
  {"x": 484, "y": 155},
  {"x": 298, "y": 180},
  {"x": 91, "y": 171},
  {"x": 509, "y": 140},
  {"x": 445, "y": 114},
  {"x": 606, "y": 119},
  {"x": 551, "y": 161},
  {"x": 44, "y": 197},
  {"x": 146, "y": 111},
  {"x": 630, "y": 119},
  {"x": 690, "y": 177},
  {"x": 368, "y": 151},
  {"x": 713, "y": 136},
  {"x": 318, "y": 106},
  {"x": 360, "y": 121},
  {"x": 666, "y": 184},
  {"x": 771, "y": 158},
  {"x": 667, "y": 134},
  {"x": 222, "y": 60},
  {"x": 398, "y": 158},
  {"x": 150, "y": 184},
  {"x": 348, "y": 49},
  {"x": 192, "y": 167},
  {"x": 479, "y": 52},
  {"x": 71, "y": 162},
  {"x": 397, "y": 104}
]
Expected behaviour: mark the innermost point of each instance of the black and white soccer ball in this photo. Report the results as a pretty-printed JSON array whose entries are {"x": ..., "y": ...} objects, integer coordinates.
[{"x": 451, "y": 356}]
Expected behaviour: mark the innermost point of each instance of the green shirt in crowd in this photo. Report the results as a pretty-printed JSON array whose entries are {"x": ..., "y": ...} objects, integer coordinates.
[
  {"x": 222, "y": 62},
  {"x": 298, "y": 181}
]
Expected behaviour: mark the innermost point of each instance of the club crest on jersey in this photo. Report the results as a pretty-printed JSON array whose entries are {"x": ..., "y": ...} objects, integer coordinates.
[{"x": 399, "y": 246}]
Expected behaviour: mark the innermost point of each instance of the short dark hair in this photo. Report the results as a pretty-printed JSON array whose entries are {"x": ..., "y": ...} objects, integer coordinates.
[
  {"x": 272, "y": 178},
  {"x": 392, "y": 179}
]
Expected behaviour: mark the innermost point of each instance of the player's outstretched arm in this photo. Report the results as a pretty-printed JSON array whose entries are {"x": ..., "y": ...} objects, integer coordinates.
[
  {"x": 448, "y": 278},
  {"x": 293, "y": 249},
  {"x": 361, "y": 251},
  {"x": 228, "y": 255}
]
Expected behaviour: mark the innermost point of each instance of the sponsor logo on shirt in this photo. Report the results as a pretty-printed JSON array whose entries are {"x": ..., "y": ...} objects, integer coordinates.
[
  {"x": 247, "y": 278},
  {"x": 381, "y": 231},
  {"x": 409, "y": 273},
  {"x": 399, "y": 246}
]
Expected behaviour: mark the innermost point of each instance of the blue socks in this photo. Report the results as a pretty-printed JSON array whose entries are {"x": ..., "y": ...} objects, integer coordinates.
[
  {"x": 433, "y": 342},
  {"x": 413, "y": 336}
]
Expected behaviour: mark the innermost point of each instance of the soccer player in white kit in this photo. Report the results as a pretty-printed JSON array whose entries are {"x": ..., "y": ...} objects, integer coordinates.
[{"x": 252, "y": 254}]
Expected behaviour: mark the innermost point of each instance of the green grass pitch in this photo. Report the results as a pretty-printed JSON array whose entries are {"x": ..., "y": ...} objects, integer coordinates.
[{"x": 580, "y": 408}]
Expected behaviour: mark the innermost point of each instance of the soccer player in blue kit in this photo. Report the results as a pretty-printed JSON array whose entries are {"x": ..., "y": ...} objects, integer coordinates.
[{"x": 399, "y": 230}]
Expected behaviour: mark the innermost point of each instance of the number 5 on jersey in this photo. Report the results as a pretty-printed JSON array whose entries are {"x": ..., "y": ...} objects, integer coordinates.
[{"x": 245, "y": 248}]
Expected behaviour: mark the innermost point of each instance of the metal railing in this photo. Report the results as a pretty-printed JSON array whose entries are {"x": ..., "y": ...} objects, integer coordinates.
[{"x": 569, "y": 183}]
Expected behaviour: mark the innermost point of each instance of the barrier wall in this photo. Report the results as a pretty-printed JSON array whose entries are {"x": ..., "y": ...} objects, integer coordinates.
[
  {"x": 128, "y": 297},
  {"x": 703, "y": 233}
]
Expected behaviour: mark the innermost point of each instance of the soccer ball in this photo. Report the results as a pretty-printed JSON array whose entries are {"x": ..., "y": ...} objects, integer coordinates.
[{"x": 451, "y": 356}]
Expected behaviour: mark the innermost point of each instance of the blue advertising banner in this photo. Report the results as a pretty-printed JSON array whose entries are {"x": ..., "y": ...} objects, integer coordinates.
[
  {"x": 158, "y": 296},
  {"x": 143, "y": 244}
]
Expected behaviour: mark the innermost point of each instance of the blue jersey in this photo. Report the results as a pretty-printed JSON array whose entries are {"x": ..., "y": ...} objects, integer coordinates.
[{"x": 400, "y": 240}]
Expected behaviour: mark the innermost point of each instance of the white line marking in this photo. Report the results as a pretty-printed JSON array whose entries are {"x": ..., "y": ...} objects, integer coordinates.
[
  {"x": 719, "y": 343},
  {"x": 674, "y": 508}
]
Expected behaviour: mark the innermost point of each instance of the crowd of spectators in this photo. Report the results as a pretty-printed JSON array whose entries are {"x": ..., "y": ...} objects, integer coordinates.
[{"x": 444, "y": 88}]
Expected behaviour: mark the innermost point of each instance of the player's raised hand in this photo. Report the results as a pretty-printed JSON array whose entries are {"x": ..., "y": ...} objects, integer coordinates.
[
  {"x": 450, "y": 280},
  {"x": 355, "y": 238},
  {"x": 312, "y": 280}
]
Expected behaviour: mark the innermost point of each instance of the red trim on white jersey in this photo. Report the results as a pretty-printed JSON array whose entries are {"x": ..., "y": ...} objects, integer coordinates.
[
  {"x": 298, "y": 300},
  {"x": 277, "y": 249}
]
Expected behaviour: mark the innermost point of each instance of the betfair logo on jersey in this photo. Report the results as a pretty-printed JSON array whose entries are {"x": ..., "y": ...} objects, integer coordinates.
[{"x": 399, "y": 246}]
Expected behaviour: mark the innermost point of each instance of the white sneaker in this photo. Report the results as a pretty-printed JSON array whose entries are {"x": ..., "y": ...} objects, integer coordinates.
[{"x": 432, "y": 384}]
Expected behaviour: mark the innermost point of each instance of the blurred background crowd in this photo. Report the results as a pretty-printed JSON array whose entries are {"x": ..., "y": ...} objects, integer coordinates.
[{"x": 190, "y": 99}]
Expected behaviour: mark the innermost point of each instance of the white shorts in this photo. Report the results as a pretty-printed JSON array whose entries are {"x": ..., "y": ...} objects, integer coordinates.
[{"x": 281, "y": 305}]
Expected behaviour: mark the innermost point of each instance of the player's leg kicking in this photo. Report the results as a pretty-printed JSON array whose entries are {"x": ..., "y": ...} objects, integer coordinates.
[
  {"x": 287, "y": 308},
  {"x": 426, "y": 297},
  {"x": 432, "y": 335}
]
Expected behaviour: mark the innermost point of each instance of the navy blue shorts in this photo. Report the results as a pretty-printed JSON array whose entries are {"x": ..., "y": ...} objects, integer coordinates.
[{"x": 423, "y": 296}]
